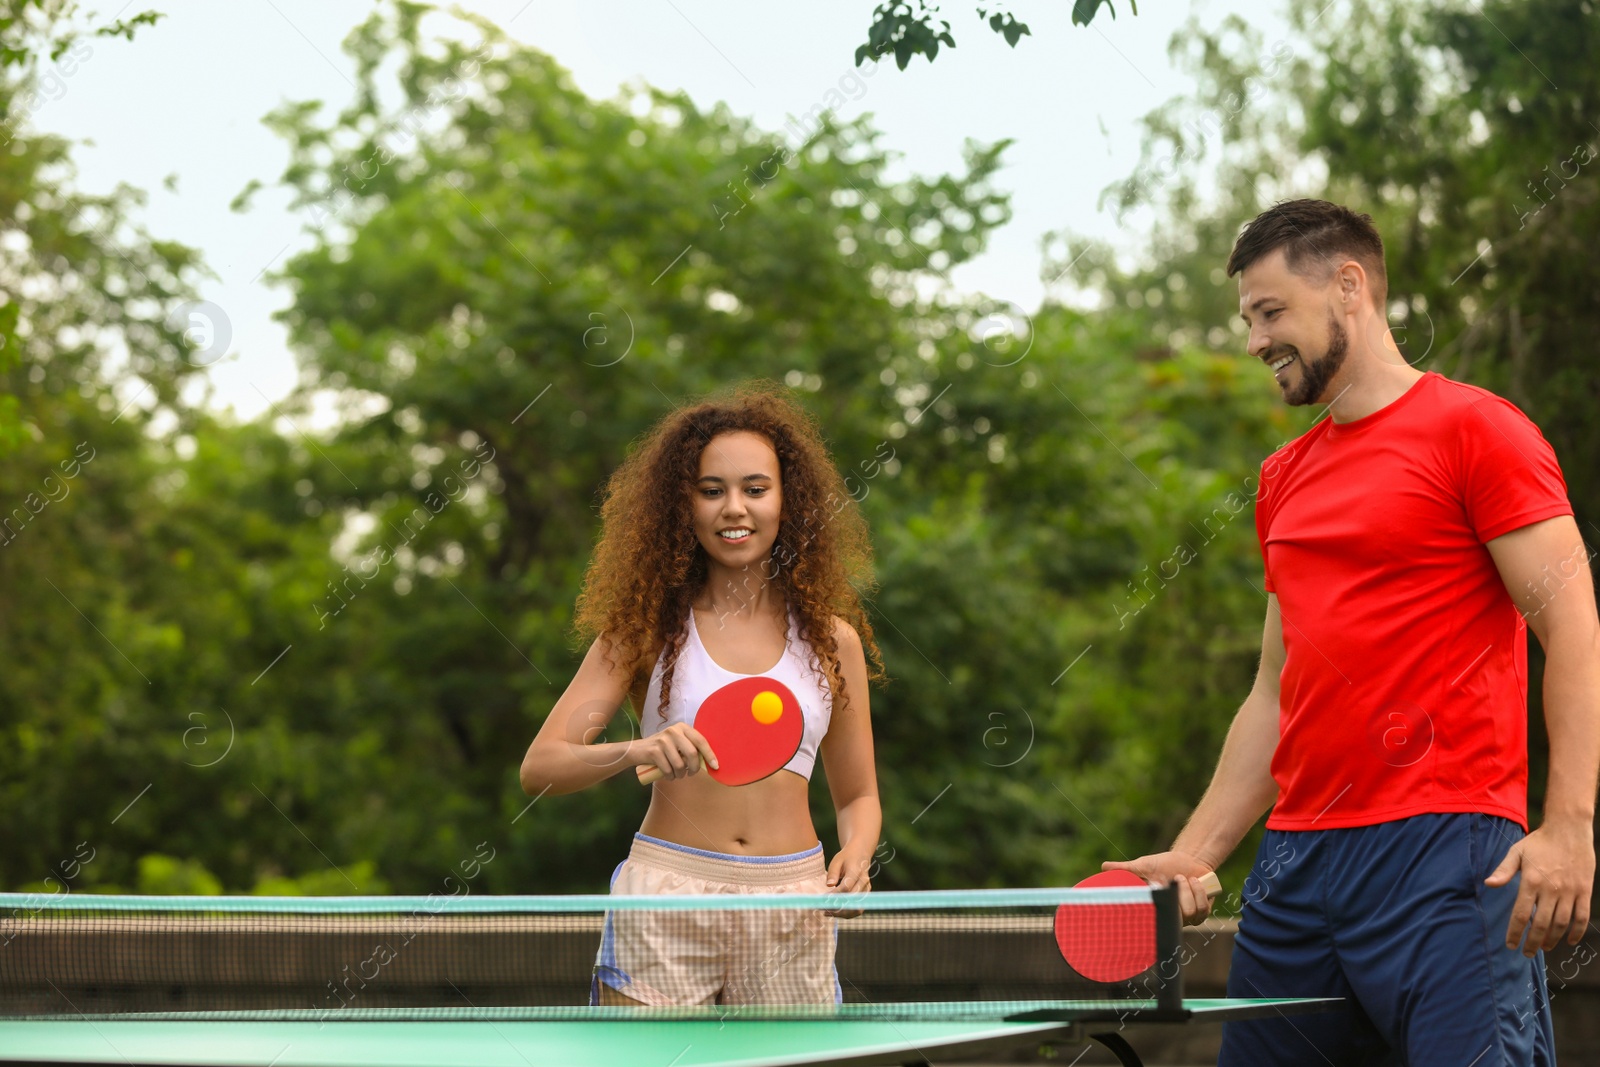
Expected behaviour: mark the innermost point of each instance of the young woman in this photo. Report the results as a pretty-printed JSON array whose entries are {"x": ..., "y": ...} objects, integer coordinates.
[{"x": 728, "y": 550}]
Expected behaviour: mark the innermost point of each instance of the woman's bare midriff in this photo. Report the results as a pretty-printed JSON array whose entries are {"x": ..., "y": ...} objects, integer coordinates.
[{"x": 771, "y": 817}]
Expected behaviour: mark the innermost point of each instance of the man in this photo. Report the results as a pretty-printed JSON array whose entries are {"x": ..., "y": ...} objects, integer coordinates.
[{"x": 1409, "y": 539}]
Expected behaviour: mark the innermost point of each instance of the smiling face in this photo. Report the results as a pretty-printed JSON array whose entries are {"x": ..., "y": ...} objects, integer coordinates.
[
  {"x": 1294, "y": 327},
  {"x": 738, "y": 499}
]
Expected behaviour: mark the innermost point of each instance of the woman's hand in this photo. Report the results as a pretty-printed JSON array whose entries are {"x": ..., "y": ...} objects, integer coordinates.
[
  {"x": 676, "y": 751},
  {"x": 848, "y": 871},
  {"x": 848, "y": 874}
]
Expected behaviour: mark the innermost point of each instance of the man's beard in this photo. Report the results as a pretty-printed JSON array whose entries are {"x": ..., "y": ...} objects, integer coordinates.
[{"x": 1316, "y": 374}]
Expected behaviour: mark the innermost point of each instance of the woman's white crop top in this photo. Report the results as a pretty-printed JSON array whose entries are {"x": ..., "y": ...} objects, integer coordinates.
[{"x": 697, "y": 676}]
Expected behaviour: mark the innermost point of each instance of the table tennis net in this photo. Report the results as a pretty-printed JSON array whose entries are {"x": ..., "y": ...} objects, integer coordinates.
[{"x": 944, "y": 954}]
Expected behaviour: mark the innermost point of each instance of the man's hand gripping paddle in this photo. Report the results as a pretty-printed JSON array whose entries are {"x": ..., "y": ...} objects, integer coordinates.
[{"x": 1113, "y": 942}]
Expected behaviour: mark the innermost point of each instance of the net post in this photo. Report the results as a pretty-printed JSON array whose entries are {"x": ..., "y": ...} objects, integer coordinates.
[{"x": 1169, "y": 948}]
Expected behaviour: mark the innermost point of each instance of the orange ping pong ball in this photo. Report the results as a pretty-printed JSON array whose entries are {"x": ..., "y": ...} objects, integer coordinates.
[{"x": 767, "y": 707}]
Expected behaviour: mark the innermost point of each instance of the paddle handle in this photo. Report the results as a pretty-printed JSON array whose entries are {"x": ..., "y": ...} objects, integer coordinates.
[
  {"x": 1211, "y": 884},
  {"x": 651, "y": 773}
]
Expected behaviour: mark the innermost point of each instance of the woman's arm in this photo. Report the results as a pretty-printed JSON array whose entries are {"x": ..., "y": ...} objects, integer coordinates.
[
  {"x": 563, "y": 757},
  {"x": 852, "y": 774}
]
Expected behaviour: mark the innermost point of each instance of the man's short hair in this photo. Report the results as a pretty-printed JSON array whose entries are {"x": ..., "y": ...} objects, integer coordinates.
[{"x": 1315, "y": 236}]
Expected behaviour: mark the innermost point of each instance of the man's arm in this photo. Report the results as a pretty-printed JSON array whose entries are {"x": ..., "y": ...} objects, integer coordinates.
[
  {"x": 1545, "y": 568},
  {"x": 1241, "y": 788}
]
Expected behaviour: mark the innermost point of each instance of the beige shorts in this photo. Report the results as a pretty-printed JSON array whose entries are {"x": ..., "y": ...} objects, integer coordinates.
[{"x": 706, "y": 957}]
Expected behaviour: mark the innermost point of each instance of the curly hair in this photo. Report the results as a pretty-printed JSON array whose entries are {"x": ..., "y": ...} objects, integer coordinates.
[{"x": 649, "y": 566}]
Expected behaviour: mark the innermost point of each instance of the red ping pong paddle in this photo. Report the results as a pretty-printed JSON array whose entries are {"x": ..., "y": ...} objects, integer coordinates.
[
  {"x": 754, "y": 725},
  {"x": 1113, "y": 942}
]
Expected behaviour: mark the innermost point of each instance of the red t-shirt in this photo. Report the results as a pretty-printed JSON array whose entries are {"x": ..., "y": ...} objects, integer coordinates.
[{"x": 1405, "y": 685}]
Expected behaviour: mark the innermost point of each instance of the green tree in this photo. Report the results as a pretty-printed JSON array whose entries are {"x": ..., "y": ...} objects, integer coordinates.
[
  {"x": 93, "y": 324},
  {"x": 39, "y": 41}
]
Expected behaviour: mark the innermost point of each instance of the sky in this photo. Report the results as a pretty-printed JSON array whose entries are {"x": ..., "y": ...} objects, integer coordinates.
[{"x": 184, "y": 101}]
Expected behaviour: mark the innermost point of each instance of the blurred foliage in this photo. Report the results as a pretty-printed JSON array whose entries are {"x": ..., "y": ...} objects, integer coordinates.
[
  {"x": 31, "y": 30},
  {"x": 277, "y": 661},
  {"x": 61, "y": 265},
  {"x": 170, "y": 876},
  {"x": 918, "y": 31}
]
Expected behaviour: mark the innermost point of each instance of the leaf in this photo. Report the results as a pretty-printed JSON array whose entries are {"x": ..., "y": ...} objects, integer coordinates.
[
  {"x": 1083, "y": 11},
  {"x": 1006, "y": 24},
  {"x": 126, "y": 27}
]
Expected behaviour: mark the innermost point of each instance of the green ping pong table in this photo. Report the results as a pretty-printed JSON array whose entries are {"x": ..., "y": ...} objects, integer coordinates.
[
  {"x": 487, "y": 981},
  {"x": 451, "y": 1038}
]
